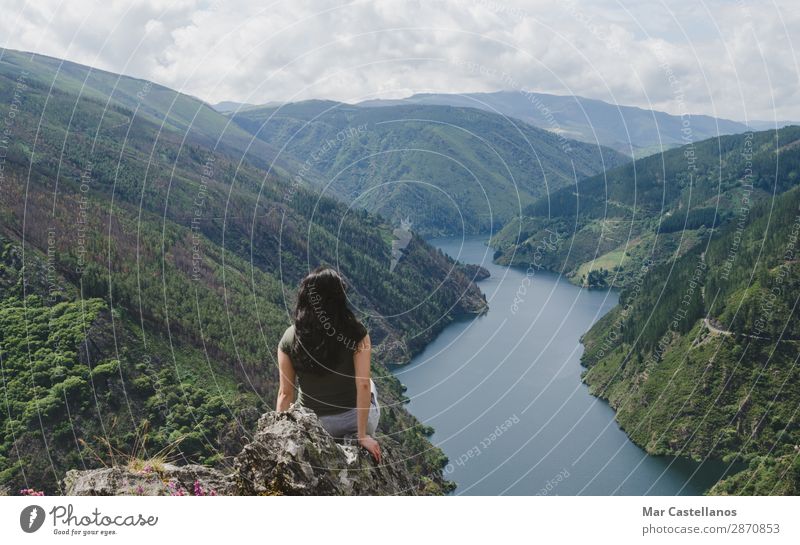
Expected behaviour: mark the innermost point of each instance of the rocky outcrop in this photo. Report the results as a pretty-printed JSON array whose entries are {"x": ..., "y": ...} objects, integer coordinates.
[
  {"x": 166, "y": 480},
  {"x": 290, "y": 454}
]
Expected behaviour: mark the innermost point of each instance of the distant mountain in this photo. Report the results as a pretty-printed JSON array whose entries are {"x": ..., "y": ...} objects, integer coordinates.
[
  {"x": 448, "y": 170},
  {"x": 227, "y": 106},
  {"x": 601, "y": 230},
  {"x": 763, "y": 125},
  {"x": 633, "y": 131},
  {"x": 148, "y": 267}
]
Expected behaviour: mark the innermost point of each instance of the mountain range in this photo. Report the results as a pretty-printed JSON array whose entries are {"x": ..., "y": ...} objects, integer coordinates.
[
  {"x": 630, "y": 130},
  {"x": 447, "y": 170}
]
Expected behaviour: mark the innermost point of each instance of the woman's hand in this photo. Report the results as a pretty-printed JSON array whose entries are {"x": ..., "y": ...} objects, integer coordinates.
[{"x": 372, "y": 446}]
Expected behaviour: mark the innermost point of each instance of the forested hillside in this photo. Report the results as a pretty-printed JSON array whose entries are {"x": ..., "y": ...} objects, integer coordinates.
[
  {"x": 601, "y": 230},
  {"x": 147, "y": 100},
  {"x": 147, "y": 274},
  {"x": 448, "y": 170},
  {"x": 700, "y": 356}
]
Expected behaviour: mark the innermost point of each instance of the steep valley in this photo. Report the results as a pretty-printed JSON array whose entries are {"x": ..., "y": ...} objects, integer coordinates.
[{"x": 147, "y": 277}]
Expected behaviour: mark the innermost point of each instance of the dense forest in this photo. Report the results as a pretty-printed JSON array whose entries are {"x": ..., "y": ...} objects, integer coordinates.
[
  {"x": 149, "y": 268},
  {"x": 700, "y": 356}
]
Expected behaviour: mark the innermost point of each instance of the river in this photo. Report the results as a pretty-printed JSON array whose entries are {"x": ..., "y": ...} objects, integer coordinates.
[{"x": 504, "y": 394}]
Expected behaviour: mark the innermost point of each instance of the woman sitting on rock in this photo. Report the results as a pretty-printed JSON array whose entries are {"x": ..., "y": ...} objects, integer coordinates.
[{"x": 326, "y": 355}]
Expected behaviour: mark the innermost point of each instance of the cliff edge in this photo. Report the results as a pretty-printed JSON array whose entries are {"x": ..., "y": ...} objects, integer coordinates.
[{"x": 290, "y": 454}]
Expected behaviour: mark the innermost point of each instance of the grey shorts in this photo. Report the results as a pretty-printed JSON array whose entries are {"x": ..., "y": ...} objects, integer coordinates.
[{"x": 346, "y": 423}]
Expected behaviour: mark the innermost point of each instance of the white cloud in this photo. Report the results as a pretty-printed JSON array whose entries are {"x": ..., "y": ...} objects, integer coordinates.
[{"x": 731, "y": 59}]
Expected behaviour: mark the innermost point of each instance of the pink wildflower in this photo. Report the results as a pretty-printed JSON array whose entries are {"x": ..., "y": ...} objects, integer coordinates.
[{"x": 31, "y": 492}]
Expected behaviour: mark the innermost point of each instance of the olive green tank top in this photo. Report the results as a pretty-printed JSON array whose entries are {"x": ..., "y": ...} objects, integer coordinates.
[{"x": 327, "y": 392}]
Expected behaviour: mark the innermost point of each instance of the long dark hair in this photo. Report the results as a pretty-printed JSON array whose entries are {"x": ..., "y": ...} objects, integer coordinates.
[{"x": 324, "y": 326}]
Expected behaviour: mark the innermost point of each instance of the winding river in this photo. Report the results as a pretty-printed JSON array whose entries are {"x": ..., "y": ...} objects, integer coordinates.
[{"x": 504, "y": 394}]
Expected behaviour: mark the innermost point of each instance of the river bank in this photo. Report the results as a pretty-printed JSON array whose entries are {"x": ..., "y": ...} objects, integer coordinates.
[{"x": 504, "y": 393}]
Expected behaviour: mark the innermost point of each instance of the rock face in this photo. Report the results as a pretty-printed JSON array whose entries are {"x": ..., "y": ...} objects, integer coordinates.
[
  {"x": 290, "y": 454},
  {"x": 171, "y": 480}
]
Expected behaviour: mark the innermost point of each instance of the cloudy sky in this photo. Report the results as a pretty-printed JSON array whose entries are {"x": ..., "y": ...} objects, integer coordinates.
[{"x": 727, "y": 58}]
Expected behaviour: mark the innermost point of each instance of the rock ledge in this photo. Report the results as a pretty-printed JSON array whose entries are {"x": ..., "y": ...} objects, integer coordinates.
[{"x": 290, "y": 454}]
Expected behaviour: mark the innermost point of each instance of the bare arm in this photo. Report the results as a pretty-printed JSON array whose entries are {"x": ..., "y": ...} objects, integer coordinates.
[
  {"x": 286, "y": 390},
  {"x": 361, "y": 360}
]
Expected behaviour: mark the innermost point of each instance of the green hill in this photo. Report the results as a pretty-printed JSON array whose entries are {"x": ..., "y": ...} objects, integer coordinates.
[
  {"x": 653, "y": 209},
  {"x": 700, "y": 356},
  {"x": 449, "y": 170},
  {"x": 146, "y": 277},
  {"x": 162, "y": 106}
]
